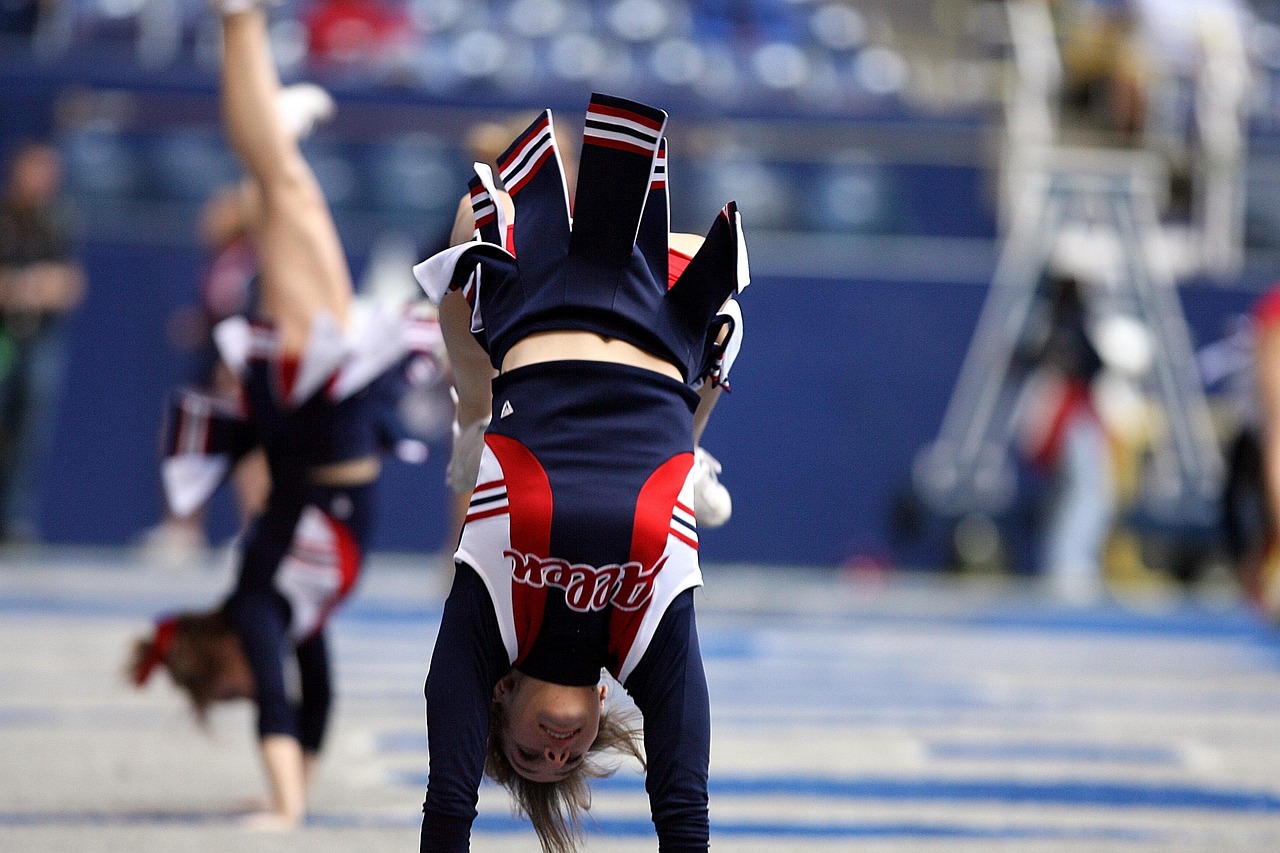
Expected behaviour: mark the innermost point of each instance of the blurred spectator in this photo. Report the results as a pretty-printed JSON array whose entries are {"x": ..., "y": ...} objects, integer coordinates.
[
  {"x": 1227, "y": 368},
  {"x": 1063, "y": 435},
  {"x": 1105, "y": 78},
  {"x": 363, "y": 35},
  {"x": 1179, "y": 39},
  {"x": 40, "y": 283}
]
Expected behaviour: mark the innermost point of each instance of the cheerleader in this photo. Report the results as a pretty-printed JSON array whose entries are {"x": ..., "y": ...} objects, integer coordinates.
[
  {"x": 581, "y": 342},
  {"x": 311, "y": 368}
]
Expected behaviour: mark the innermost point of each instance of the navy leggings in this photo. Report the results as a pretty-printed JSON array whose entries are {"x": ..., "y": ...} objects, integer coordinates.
[{"x": 261, "y": 617}]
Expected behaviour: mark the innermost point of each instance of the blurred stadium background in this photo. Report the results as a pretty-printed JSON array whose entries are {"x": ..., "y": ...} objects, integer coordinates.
[{"x": 870, "y": 143}]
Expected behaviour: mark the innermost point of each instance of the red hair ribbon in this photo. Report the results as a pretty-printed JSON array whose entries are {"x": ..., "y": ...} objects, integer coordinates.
[{"x": 166, "y": 630}]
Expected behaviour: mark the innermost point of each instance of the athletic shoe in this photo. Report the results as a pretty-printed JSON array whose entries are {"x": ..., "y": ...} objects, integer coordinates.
[{"x": 711, "y": 502}]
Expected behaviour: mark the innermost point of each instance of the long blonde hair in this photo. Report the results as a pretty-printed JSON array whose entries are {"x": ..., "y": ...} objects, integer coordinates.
[{"x": 556, "y": 809}]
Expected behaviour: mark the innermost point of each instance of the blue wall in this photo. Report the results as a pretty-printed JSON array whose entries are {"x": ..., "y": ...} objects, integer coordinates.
[{"x": 839, "y": 385}]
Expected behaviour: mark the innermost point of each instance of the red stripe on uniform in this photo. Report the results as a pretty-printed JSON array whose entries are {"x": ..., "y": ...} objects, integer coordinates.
[
  {"x": 347, "y": 553},
  {"x": 601, "y": 109},
  {"x": 530, "y": 504},
  {"x": 677, "y": 263},
  {"x": 348, "y": 557},
  {"x": 692, "y": 543},
  {"x": 649, "y": 532},
  {"x": 616, "y": 144},
  {"x": 488, "y": 513},
  {"x": 523, "y": 145},
  {"x": 654, "y": 507},
  {"x": 533, "y": 170},
  {"x": 287, "y": 375}
]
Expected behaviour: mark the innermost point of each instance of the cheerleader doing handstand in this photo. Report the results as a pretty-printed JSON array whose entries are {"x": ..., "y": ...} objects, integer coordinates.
[
  {"x": 580, "y": 551},
  {"x": 309, "y": 366}
]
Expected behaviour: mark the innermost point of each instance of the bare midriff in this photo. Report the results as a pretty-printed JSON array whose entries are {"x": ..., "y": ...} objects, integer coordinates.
[
  {"x": 571, "y": 345},
  {"x": 352, "y": 472}
]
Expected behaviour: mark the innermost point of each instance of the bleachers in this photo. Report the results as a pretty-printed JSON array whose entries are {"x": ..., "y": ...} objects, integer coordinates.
[
  {"x": 861, "y": 143},
  {"x": 826, "y": 56},
  {"x": 820, "y": 73}
]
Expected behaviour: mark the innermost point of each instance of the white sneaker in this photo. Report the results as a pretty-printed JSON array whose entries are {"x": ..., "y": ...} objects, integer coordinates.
[
  {"x": 304, "y": 106},
  {"x": 712, "y": 504}
]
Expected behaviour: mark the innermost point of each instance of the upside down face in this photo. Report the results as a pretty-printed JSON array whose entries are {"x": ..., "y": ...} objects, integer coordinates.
[{"x": 549, "y": 727}]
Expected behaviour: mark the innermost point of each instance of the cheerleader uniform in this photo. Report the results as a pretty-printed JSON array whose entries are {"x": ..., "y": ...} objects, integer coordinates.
[
  {"x": 579, "y": 551},
  {"x": 302, "y": 557}
]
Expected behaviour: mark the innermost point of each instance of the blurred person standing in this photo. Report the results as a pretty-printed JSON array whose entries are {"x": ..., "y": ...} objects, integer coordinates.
[
  {"x": 41, "y": 282},
  {"x": 1063, "y": 435},
  {"x": 1227, "y": 371}
]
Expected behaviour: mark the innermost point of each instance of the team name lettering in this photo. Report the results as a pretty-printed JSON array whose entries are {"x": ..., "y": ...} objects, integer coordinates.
[{"x": 627, "y": 586}]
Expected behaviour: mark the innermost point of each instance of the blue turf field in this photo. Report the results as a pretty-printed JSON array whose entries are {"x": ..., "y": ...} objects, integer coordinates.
[{"x": 912, "y": 713}]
